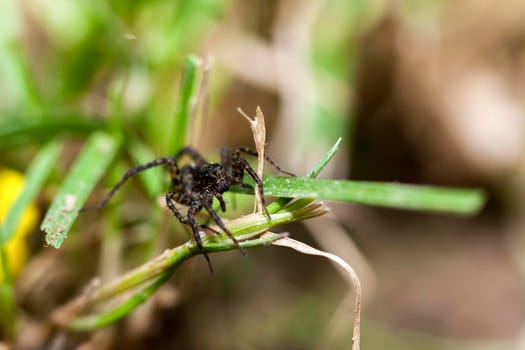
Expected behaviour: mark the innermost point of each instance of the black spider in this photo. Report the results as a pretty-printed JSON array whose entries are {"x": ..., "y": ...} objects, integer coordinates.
[{"x": 197, "y": 183}]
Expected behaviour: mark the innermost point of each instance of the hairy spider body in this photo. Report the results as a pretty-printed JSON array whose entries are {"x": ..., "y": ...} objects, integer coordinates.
[{"x": 196, "y": 184}]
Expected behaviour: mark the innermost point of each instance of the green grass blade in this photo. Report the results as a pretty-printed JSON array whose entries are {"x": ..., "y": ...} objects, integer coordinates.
[
  {"x": 89, "y": 166},
  {"x": 184, "y": 105},
  {"x": 36, "y": 175},
  {"x": 326, "y": 158},
  {"x": 392, "y": 195}
]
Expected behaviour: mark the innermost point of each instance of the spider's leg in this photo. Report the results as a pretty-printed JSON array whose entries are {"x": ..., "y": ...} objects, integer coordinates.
[
  {"x": 259, "y": 183},
  {"x": 192, "y": 153},
  {"x": 249, "y": 151},
  {"x": 132, "y": 172},
  {"x": 219, "y": 222},
  {"x": 221, "y": 201},
  {"x": 170, "y": 202},
  {"x": 196, "y": 235},
  {"x": 171, "y": 198}
]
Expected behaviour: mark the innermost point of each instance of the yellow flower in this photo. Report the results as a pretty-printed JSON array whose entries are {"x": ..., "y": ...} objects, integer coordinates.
[{"x": 11, "y": 183}]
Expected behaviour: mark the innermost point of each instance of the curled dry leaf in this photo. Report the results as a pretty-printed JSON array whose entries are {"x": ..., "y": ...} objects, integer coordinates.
[{"x": 353, "y": 279}]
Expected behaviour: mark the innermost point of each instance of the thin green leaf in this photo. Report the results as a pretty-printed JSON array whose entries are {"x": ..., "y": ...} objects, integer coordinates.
[
  {"x": 326, "y": 158},
  {"x": 393, "y": 195},
  {"x": 184, "y": 106},
  {"x": 37, "y": 174},
  {"x": 87, "y": 170}
]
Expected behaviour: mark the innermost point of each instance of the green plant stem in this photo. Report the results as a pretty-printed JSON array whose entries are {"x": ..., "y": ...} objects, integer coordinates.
[
  {"x": 115, "y": 314},
  {"x": 246, "y": 229},
  {"x": 160, "y": 270}
]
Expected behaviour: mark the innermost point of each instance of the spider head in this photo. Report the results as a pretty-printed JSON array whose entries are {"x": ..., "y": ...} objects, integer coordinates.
[{"x": 214, "y": 176}]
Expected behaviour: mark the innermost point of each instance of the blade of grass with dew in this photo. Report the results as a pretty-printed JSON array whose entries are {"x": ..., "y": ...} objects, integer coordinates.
[
  {"x": 184, "y": 105},
  {"x": 392, "y": 195},
  {"x": 89, "y": 166}
]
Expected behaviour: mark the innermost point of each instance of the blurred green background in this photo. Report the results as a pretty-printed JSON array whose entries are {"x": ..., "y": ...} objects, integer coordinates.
[{"x": 422, "y": 91}]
